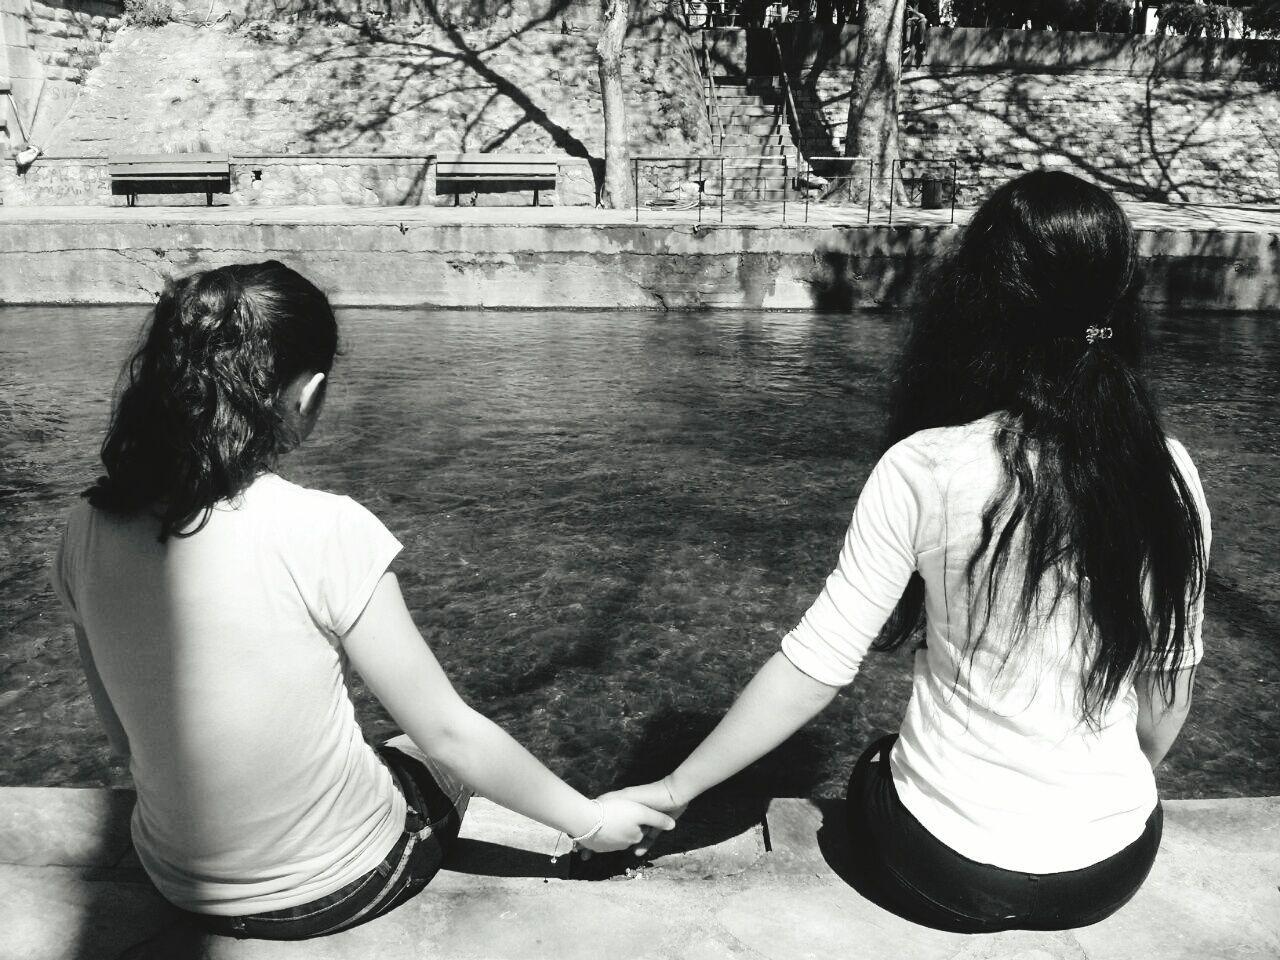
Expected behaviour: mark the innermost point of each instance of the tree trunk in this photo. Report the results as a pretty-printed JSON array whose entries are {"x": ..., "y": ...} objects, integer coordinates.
[
  {"x": 617, "y": 190},
  {"x": 873, "y": 104}
]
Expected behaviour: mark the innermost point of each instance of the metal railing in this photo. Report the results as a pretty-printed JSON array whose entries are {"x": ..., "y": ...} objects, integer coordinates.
[
  {"x": 808, "y": 178},
  {"x": 713, "y": 100},
  {"x": 716, "y": 163},
  {"x": 759, "y": 161},
  {"x": 797, "y": 132},
  {"x": 636, "y": 163},
  {"x": 898, "y": 162}
]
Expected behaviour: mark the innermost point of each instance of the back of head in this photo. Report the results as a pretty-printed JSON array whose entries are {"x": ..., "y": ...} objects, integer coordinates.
[
  {"x": 201, "y": 412},
  {"x": 1045, "y": 259},
  {"x": 1035, "y": 316}
]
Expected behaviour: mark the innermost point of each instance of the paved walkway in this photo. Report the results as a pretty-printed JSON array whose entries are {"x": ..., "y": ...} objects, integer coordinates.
[
  {"x": 746, "y": 881},
  {"x": 1145, "y": 216}
]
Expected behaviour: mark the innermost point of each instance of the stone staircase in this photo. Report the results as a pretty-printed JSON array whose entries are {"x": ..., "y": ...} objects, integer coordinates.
[{"x": 752, "y": 112}]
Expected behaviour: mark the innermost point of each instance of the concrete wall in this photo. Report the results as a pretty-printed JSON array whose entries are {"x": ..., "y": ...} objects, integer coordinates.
[
  {"x": 651, "y": 264},
  {"x": 47, "y": 51},
  {"x": 1159, "y": 118}
]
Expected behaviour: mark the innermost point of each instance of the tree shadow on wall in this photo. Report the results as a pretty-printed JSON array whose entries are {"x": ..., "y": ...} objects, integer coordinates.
[
  {"x": 850, "y": 273},
  {"x": 1168, "y": 111},
  {"x": 1167, "y": 123},
  {"x": 436, "y": 76}
]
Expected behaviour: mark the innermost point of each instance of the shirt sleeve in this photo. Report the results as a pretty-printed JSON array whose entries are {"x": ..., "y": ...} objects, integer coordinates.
[
  {"x": 62, "y": 575},
  {"x": 876, "y": 562},
  {"x": 347, "y": 556},
  {"x": 1194, "y": 649}
]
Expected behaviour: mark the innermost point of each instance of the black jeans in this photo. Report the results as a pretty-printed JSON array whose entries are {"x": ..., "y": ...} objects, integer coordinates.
[
  {"x": 432, "y": 820},
  {"x": 898, "y": 864}
]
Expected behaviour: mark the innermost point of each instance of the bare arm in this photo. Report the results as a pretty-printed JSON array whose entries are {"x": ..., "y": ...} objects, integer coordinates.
[
  {"x": 779, "y": 700},
  {"x": 1159, "y": 723},
  {"x": 110, "y": 721},
  {"x": 403, "y": 673}
]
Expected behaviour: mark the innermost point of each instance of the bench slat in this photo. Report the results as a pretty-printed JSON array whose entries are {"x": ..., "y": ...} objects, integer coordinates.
[
  {"x": 495, "y": 158},
  {"x": 169, "y": 170},
  {"x": 495, "y": 170},
  {"x": 183, "y": 177}
]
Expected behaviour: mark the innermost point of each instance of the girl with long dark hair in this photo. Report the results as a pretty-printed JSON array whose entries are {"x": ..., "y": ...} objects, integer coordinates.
[
  {"x": 217, "y": 607},
  {"x": 1033, "y": 526}
]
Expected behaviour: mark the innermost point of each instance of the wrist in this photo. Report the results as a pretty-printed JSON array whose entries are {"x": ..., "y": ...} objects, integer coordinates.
[
  {"x": 586, "y": 815},
  {"x": 677, "y": 791}
]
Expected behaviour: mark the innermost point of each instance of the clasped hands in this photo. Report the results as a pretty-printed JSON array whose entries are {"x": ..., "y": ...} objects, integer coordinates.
[{"x": 634, "y": 817}]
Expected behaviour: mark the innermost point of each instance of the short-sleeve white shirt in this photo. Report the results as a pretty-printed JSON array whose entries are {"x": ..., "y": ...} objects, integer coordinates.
[
  {"x": 221, "y": 655},
  {"x": 993, "y": 757}
]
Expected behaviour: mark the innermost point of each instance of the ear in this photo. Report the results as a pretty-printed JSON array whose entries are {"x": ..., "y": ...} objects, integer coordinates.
[{"x": 309, "y": 395}]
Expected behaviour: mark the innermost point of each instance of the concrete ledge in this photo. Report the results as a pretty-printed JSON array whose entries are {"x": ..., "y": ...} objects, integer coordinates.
[
  {"x": 1210, "y": 258},
  {"x": 748, "y": 879}
]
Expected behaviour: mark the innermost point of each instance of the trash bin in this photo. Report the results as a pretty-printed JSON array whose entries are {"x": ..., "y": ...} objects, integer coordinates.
[{"x": 933, "y": 193}]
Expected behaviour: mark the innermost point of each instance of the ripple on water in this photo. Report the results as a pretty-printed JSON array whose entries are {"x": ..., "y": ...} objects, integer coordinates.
[{"x": 610, "y": 519}]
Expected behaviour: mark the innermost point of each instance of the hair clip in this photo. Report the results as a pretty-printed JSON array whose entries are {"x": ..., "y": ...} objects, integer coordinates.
[{"x": 1097, "y": 333}]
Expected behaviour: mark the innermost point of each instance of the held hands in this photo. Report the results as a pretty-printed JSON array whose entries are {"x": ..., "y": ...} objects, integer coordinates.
[
  {"x": 657, "y": 796},
  {"x": 627, "y": 821}
]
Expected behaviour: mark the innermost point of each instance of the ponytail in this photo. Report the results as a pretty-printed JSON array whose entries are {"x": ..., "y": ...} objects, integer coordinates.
[
  {"x": 1131, "y": 525},
  {"x": 1036, "y": 318},
  {"x": 199, "y": 416}
]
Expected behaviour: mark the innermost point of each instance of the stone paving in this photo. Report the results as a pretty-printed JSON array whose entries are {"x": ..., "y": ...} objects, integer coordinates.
[{"x": 738, "y": 881}]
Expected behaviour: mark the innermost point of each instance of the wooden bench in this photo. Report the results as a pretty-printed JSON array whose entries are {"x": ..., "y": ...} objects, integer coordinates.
[
  {"x": 496, "y": 170},
  {"x": 206, "y": 173}
]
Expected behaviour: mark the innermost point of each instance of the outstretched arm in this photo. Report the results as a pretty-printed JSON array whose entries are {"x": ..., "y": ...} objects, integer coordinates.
[
  {"x": 779, "y": 700},
  {"x": 390, "y": 654}
]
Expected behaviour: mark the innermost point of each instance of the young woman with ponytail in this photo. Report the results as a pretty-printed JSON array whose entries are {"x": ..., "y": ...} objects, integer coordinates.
[
  {"x": 1043, "y": 542},
  {"x": 217, "y": 607}
]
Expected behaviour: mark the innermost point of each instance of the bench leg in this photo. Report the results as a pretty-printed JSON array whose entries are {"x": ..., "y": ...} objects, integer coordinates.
[
  {"x": 208, "y": 199},
  {"x": 535, "y": 196}
]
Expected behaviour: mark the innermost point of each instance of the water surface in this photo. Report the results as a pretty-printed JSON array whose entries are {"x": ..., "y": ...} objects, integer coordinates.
[{"x": 610, "y": 519}]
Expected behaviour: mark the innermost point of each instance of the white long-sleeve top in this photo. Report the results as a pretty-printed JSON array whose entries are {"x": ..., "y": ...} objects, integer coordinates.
[{"x": 993, "y": 757}]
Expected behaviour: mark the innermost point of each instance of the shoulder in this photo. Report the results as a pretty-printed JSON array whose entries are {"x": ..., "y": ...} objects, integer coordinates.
[
  {"x": 1190, "y": 475},
  {"x": 307, "y": 514},
  {"x": 79, "y": 517},
  {"x": 1181, "y": 457},
  {"x": 941, "y": 452},
  {"x": 281, "y": 496}
]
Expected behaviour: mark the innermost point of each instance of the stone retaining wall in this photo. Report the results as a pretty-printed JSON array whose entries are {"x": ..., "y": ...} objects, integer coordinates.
[
  {"x": 307, "y": 94},
  {"x": 47, "y": 51},
  {"x": 1152, "y": 118}
]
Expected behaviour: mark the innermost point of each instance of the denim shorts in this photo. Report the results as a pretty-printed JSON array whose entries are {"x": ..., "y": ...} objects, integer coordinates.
[
  {"x": 904, "y": 868},
  {"x": 435, "y": 803}
]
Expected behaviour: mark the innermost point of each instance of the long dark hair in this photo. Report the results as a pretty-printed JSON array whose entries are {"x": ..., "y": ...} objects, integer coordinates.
[
  {"x": 1089, "y": 485},
  {"x": 200, "y": 415}
]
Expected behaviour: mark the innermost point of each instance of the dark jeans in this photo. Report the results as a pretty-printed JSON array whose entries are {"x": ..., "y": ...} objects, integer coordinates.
[
  {"x": 432, "y": 821},
  {"x": 898, "y": 864}
]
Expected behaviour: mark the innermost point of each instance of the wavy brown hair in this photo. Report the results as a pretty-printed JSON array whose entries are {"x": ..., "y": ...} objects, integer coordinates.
[{"x": 200, "y": 413}]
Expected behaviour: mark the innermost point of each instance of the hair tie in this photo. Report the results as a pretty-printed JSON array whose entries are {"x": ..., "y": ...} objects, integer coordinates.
[{"x": 1097, "y": 333}]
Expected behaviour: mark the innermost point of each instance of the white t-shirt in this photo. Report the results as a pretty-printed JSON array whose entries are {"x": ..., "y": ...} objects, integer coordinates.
[
  {"x": 992, "y": 757},
  {"x": 220, "y": 654}
]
